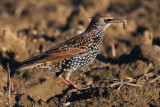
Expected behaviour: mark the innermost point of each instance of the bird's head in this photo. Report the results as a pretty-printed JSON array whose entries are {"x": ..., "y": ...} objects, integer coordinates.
[{"x": 102, "y": 22}]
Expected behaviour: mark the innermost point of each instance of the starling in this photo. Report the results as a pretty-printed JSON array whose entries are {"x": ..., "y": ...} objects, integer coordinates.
[{"x": 75, "y": 53}]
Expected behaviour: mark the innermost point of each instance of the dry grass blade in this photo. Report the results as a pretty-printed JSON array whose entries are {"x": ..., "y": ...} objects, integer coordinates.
[
  {"x": 122, "y": 83},
  {"x": 113, "y": 50},
  {"x": 151, "y": 81},
  {"x": 146, "y": 74},
  {"x": 9, "y": 85}
]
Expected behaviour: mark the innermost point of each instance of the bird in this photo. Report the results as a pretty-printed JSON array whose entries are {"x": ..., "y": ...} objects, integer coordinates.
[{"x": 74, "y": 53}]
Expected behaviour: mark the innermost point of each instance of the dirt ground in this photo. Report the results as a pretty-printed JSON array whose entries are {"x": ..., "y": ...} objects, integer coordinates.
[{"x": 29, "y": 27}]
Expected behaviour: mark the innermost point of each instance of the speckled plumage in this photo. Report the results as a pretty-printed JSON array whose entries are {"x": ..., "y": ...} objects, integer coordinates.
[
  {"x": 70, "y": 55},
  {"x": 75, "y": 53}
]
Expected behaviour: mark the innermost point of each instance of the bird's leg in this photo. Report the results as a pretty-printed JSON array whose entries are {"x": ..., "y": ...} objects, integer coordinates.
[
  {"x": 67, "y": 75},
  {"x": 63, "y": 80}
]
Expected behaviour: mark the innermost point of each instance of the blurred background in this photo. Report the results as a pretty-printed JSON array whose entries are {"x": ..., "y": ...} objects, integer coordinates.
[{"x": 29, "y": 27}]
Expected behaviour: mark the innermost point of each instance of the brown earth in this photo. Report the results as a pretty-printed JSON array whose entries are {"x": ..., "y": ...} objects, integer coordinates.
[{"x": 29, "y": 27}]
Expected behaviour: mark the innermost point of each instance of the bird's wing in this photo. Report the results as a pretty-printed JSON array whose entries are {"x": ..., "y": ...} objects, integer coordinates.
[
  {"x": 73, "y": 47},
  {"x": 58, "y": 56}
]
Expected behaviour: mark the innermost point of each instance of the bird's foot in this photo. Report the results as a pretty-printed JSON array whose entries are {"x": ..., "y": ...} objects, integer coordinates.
[
  {"x": 75, "y": 90},
  {"x": 74, "y": 85},
  {"x": 69, "y": 82}
]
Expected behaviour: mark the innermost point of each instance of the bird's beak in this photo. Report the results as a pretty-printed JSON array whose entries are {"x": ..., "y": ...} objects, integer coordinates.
[{"x": 114, "y": 20}]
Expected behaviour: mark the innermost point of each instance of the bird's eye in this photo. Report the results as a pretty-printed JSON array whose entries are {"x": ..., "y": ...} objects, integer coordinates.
[{"x": 107, "y": 20}]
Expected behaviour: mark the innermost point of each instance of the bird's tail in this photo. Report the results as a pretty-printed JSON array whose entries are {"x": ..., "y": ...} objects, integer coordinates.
[
  {"x": 32, "y": 62},
  {"x": 26, "y": 66}
]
